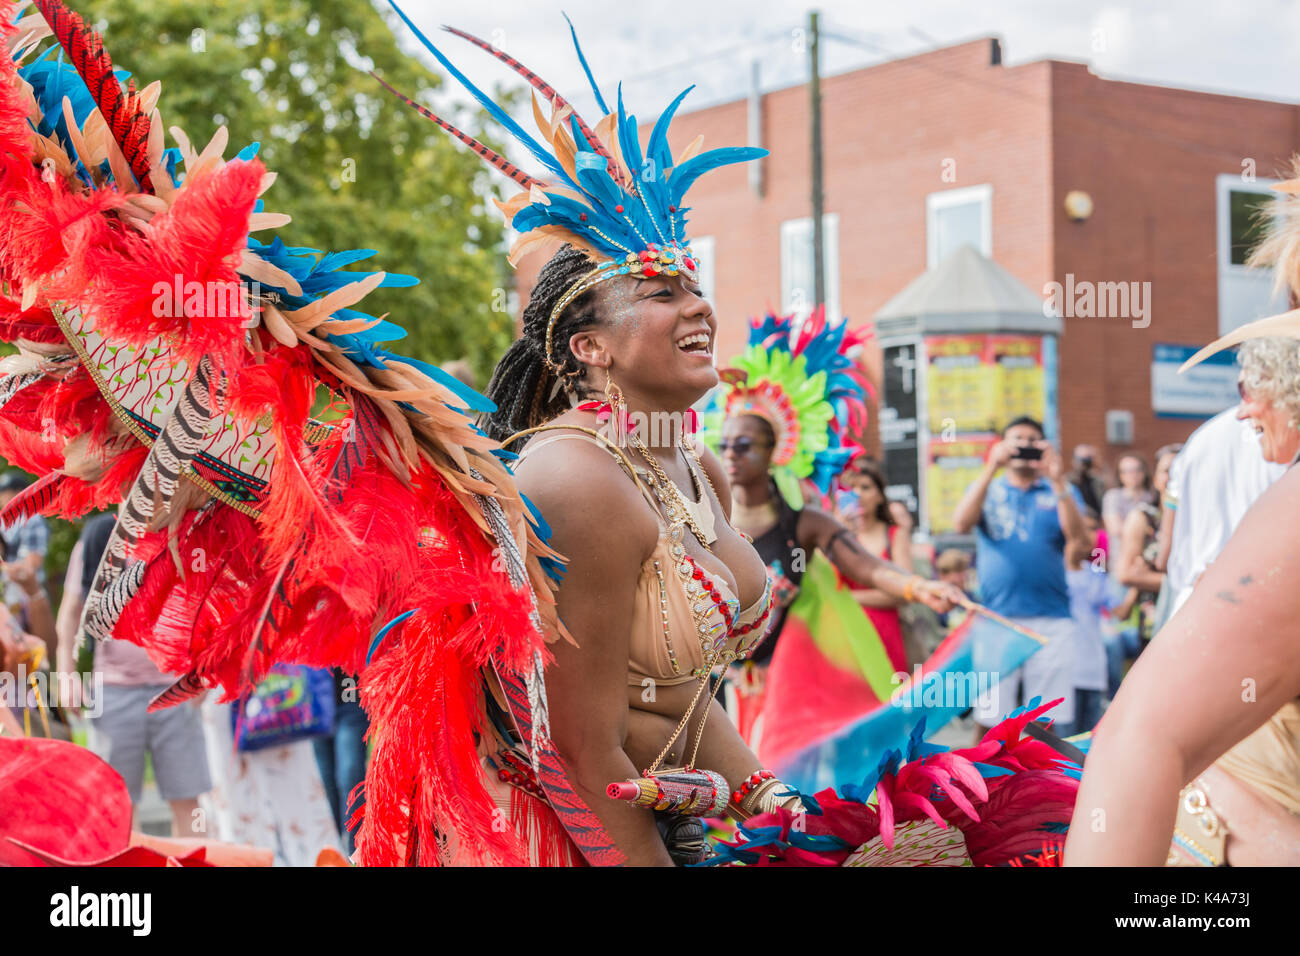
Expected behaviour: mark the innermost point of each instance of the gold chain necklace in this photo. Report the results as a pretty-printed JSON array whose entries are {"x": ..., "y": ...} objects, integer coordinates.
[{"x": 670, "y": 488}]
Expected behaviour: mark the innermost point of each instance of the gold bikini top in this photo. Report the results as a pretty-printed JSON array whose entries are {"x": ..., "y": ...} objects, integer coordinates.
[{"x": 680, "y": 632}]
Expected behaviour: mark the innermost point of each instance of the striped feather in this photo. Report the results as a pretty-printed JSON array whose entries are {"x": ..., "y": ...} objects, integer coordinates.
[
  {"x": 492, "y": 156},
  {"x": 181, "y": 439},
  {"x": 122, "y": 112},
  {"x": 32, "y": 500},
  {"x": 186, "y": 687},
  {"x": 545, "y": 157},
  {"x": 557, "y": 101}
]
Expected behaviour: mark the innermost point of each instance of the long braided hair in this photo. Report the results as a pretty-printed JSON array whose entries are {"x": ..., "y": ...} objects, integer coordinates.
[{"x": 523, "y": 383}]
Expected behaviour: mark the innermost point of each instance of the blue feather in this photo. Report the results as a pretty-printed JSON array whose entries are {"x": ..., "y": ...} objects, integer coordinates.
[
  {"x": 472, "y": 399},
  {"x": 600, "y": 100},
  {"x": 495, "y": 111},
  {"x": 695, "y": 167},
  {"x": 374, "y": 644}
]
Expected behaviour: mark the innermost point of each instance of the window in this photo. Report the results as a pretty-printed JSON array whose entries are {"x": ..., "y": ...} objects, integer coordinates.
[
  {"x": 1245, "y": 294},
  {"x": 797, "y": 284},
  {"x": 704, "y": 249},
  {"x": 955, "y": 218}
]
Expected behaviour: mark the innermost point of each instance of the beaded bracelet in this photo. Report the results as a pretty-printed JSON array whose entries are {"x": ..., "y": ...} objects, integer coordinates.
[{"x": 755, "y": 778}]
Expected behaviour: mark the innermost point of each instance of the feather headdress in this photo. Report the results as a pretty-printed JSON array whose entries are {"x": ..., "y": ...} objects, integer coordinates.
[
  {"x": 801, "y": 380},
  {"x": 624, "y": 206},
  {"x": 171, "y": 362}
]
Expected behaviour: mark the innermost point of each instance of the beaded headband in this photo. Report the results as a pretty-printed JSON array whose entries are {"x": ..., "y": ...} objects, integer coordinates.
[
  {"x": 620, "y": 206},
  {"x": 650, "y": 262}
]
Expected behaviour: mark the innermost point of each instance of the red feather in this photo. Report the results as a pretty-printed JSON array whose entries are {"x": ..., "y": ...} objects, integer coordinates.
[{"x": 85, "y": 48}]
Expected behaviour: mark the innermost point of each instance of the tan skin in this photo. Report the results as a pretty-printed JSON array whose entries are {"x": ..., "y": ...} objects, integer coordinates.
[
  {"x": 1132, "y": 477},
  {"x": 752, "y": 491},
  {"x": 605, "y": 729}
]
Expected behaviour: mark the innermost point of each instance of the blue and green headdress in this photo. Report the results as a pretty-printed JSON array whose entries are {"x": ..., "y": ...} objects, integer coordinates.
[
  {"x": 801, "y": 380},
  {"x": 622, "y": 206}
]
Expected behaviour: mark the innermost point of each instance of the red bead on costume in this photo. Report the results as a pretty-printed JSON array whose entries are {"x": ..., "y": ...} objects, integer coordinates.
[
  {"x": 688, "y": 262},
  {"x": 618, "y": 209},
  {"x": 503, "y": 775},
  {"x": 650, "y": 271},
  {"x": 697, "y": 574},
  {"x": 582, "y": 217}
]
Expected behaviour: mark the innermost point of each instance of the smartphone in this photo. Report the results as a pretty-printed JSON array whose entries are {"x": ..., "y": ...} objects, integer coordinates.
[{"x": 1028, "y": 453}]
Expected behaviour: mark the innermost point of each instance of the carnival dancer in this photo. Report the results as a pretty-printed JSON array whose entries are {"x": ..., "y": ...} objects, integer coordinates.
[
  {"x": 793, "y": 394},
  {"x": 1223, "y": 776}
]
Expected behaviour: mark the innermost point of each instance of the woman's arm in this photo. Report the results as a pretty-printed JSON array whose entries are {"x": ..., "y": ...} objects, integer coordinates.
[
  {"x": 873, "y": 597},
  {"x": 603, "y": 527},
  {"x": 819, "y": 530},
  {"x": 69, "y": 619},
  {"x": 1218, "y": 670},
  {"x": 1134, "y": 572}
]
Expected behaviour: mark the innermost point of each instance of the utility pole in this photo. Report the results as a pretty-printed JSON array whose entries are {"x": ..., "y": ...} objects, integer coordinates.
[{"x": 815, "y": 109}]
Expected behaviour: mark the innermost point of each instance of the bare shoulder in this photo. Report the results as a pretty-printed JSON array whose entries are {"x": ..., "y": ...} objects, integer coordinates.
[{"x": 587, "y": 498}]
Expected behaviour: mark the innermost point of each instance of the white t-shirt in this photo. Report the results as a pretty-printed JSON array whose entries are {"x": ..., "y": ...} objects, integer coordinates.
[{"x": 1216, "y": 478}]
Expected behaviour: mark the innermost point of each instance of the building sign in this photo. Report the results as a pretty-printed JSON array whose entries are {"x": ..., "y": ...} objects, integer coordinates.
[
  {"x": 898, "y": 426},
  {"x": 951, "y": 468},
  {"x": 977, "y": 383},
  {"x": 1201, "y": 392}
]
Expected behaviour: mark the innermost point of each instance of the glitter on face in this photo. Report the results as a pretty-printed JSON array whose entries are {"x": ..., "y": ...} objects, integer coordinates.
[{"x": 620, "y": 303}]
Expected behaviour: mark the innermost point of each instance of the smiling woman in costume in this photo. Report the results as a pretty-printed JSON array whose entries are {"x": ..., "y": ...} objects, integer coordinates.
[{"x": 659, "y": 592}]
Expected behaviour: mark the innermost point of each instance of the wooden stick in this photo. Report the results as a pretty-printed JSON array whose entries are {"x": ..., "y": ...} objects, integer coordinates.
[{"x": 970, "y": 605}]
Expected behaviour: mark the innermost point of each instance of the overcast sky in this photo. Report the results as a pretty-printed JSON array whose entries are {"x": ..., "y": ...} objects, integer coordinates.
[{"x": 1247, "y": 47}]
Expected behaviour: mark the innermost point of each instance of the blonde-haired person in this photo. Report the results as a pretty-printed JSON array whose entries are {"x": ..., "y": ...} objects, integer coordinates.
[{"x": 1222, "y": 776}]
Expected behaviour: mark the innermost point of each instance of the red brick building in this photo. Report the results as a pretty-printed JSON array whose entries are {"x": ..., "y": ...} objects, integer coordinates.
[{"x": 949, "y": 146}]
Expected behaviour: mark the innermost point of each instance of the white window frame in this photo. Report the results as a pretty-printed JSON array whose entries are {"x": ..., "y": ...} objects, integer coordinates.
[
  {"x": 705, "y": 248},
  {"x": 1233, "y": 275},
  {"x": 964, "y": 195},
  {"x": 801, "y": 230}
]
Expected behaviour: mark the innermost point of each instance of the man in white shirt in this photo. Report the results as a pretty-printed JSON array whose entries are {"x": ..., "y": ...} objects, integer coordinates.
[{"x": 1214, "y": 481}]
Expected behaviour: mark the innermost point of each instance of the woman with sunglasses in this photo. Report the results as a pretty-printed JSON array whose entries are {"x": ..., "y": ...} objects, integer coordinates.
[{"x": 781, "y": 427}]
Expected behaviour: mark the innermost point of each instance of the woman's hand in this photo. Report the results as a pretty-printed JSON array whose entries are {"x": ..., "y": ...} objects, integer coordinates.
[{"x": 938, "y": 596}]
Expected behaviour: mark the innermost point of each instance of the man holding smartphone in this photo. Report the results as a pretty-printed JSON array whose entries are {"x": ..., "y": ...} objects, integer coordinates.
[{"x": 1024, "y": 519}]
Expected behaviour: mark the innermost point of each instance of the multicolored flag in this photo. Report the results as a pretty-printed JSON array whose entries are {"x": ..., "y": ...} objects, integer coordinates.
[{"x": 962, "y": 674}]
